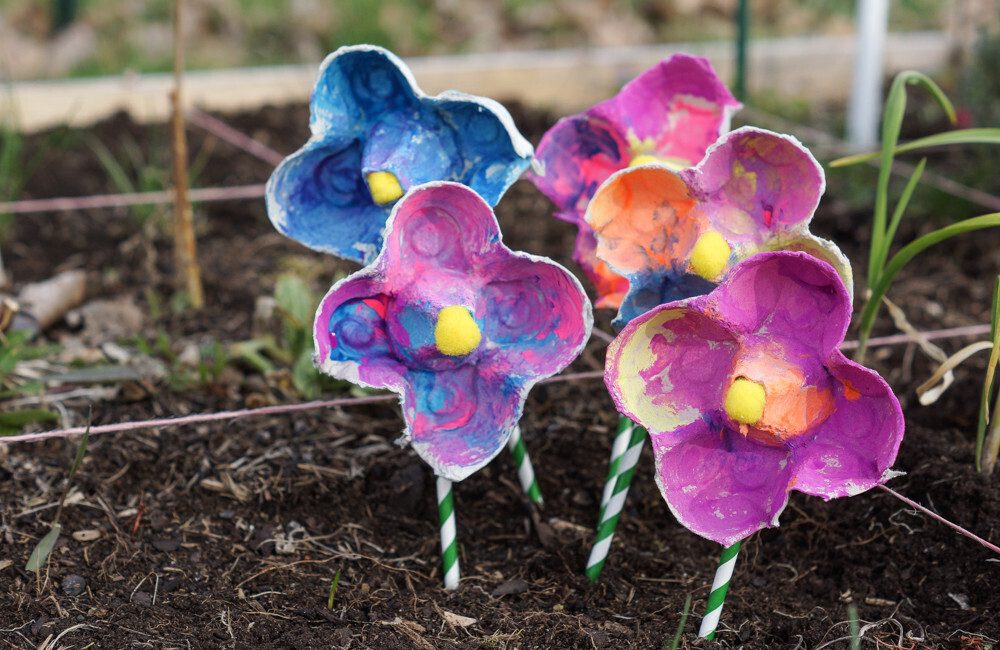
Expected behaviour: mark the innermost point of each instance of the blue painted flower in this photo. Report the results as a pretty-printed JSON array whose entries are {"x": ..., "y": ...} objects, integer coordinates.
[{"x": 375, "y": 135}]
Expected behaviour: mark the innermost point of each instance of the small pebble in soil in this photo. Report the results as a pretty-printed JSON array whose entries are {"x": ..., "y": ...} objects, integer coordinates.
[
  {"x": 167, "y": 545},
  {"x": 73, "y": 585},
  {"x": 227, "y": 514},
  {"x": 510, "y": 588},
  {"x": 142, "y": 598}
]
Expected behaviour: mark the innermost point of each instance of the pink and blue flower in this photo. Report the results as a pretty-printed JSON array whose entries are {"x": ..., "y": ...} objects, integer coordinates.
[
  {"x": 670, "y": 113},
  {"x": 746, "y": 396},
  {"x": 457, "y": 324},
  {"x": 375, "y": 134}
]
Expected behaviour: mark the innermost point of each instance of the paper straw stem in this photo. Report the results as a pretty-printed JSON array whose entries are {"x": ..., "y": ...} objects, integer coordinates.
[
  {"x": 613, "y": 509},
  {"x": 720, "y": 586},
  {"x": 449, "y": 542},
  {"x": 525, "y": 470},
  {"x": 618, "y": 449}
]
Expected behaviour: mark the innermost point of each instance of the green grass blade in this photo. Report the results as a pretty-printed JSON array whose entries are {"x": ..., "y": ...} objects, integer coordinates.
[
  {"x": 14, "y": 420},
  {"x": 919, "y": 245},
  {"x": 333, "y": 589},
  {"x": 40, "y": 555},
  {"x": 676, "y": 642},
  {"x": 903, "y": 257},
  {"x": 81, "y": 451},
  {"x": 119, "y": 176},
  {"x": 852, "y": 617},
  {"x": 989, "y": 381},
  {"x": 959, "y": 136},
  {"x": 897, "y": 214},
  {"x": 892, "y": 123}
]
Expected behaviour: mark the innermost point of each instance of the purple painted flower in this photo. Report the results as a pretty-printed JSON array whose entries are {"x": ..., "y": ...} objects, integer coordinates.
[
  {"x": 456, "y": 323},
  {"x": 675, "y": 234},
  {"x": 670, "y": 113},
  {"x": 746, "y": 396}
]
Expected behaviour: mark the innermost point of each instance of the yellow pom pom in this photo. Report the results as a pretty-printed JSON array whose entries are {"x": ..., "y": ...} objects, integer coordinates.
[
  {"x": 745, "y": 401},
  {"x": 674, "y": 164},
  {"x": 642, "y": 159},
  {"x": 385, "y": 187},
  {"x": 456, "y": 332},
  {"x": 710, "y": 255}
]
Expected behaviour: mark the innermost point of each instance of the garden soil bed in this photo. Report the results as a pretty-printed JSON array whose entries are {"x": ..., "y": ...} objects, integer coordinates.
[{"x": 194, "y": 521}]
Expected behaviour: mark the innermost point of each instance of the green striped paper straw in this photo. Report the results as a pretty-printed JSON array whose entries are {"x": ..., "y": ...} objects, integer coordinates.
[
  {"x": 613, "y": 509},
  {"x": 720, "y": 586},
  {"x": 525, "y": 471},
  {"x": 449, "y": 543},
  {"x": 618, "y": 448}
]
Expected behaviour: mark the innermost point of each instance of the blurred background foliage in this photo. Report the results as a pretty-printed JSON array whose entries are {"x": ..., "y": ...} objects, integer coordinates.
[{"x": 115, "y": 36}]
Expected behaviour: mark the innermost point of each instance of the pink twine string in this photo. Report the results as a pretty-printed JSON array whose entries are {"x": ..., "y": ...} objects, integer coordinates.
[
  {"x": 238, "y": 139},
  {"x": 936, "y": 517},
  {"x": 896, "y": 339},
  {"x": 98, "y": 201},
  {"x": 281, "y": 409}
]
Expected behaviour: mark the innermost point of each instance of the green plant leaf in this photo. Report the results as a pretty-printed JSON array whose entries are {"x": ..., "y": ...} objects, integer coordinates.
[
  {"x": 679, "y": 634},
  {"x": 897, "y": 214},
  {"x": 892, "y": 123},
  {"x": 17, "y": 419},
  {"x": 903, "y": 257},
  {"x": 959, "y": 136},
  {"x": 81, "y": 451},
  {"x": 40, "y": 555},
  {"x": 333, "y": 590},
  {"x": 305, "y": 377},
  {"x": 297, "y": 308},
  {"x": 990, "y": 380}
]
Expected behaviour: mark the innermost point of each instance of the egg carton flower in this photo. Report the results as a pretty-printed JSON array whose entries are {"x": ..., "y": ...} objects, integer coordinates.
[
  {"x": 674, "y": 234},
  {"x": 670, "y": 113},
  {"x": 456, "y": 323},
  {"x": 746, "y": 396},
  {"x": 375, "y": 134}
]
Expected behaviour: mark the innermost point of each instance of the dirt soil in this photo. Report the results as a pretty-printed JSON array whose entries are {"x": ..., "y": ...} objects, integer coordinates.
[{"x": 228, "y": 535}]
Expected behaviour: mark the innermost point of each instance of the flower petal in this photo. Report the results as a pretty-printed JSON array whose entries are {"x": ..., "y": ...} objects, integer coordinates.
[
  {"x": 649, "y": 289},
  {"x": 757, "y": 182},
  {"x": 577, "y": 155},
  {"x": 458, "y": 420},
  {"x": 824, "y": 249},
  {"x": 679, "y": 107},
  {"x": 609, "y": 286},
  {"x": 535, "y": 313},
  {"x": 416, "y": 146},
  {"x": 492, "y": 153},
  {"x": 852, "y": 450},
  {"x": 351, "y": 336},
  {"x": 319, "y": 197},
  {"x": 719, "y": 484},
  {"x": 789, "y": 296},
  {"x": 357, "y": 85},
  {"x": 438, "y": 230},
  {"x": 643, "y": 218},
  {"x": 670, "y": 365}
]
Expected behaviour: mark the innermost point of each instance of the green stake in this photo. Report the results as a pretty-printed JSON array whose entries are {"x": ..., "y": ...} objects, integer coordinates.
[
  {"x": 449, "y": 543},
  {"x": 618, "y": 449},
  {"x": 720, "y": 586},
  {"x": 525, "y": 471},
  {"x": 612, "y": 510}
]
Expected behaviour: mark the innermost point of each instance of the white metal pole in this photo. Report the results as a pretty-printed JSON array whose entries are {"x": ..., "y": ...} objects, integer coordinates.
[{"x": 872, "y": 22}]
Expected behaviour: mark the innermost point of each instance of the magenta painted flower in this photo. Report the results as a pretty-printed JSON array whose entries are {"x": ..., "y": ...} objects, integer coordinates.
[
  {"x": 674, "y": 234},
  {"x": 746, "y": 396},
  {"x": 456, "y": 323},
  {"x": 670, "y": 113}
]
